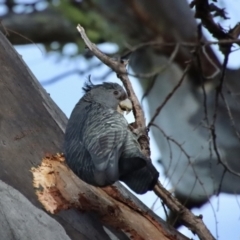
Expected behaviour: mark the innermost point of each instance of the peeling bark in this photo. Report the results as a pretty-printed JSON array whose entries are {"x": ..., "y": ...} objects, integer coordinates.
[{"x": 59, "y": 188}]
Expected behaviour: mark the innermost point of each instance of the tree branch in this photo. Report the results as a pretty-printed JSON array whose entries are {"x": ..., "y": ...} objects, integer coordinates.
[
  {"x": 59, "y": 188},
  {"x": 119, "y": 66},
  {"x": 158, "y": 110},
  {"x": 193, "y": 222}
]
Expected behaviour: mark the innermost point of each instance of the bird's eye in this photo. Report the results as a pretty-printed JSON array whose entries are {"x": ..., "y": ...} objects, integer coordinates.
[{"x": 115, "y": 92}]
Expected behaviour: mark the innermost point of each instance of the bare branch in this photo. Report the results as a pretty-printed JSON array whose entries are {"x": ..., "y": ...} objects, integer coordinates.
[
  {"x": 69, "y": 73},
  {"x": 192, "y": 222},
  {"x": 184, "y": 44},
  {"x": 119, "y": 66},
  {"x": 212, "y": 127},
  {"x": 160, "y": 68},
  {"x": 203, "y": 12},
  {"x": 59, "y": 188},
  {"x": 158, "y": 110},
  {"x": 189, "y": 158}
]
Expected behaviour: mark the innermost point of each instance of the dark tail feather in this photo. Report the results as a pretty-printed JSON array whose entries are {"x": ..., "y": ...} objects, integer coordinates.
[
  {"x": 142, "y": 180},
  {"x": 129, "y": 165}
]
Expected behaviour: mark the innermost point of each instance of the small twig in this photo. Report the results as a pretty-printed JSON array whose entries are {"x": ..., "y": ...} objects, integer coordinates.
[
  {"x": 160, "y": 68},
  {"x": 164, "y": 209},
  {"x": 158, "y": 110},
  {"x": 7, "y": 32},
  {"x": 142, "y": 16},
  {"x": 68, "y": 73},
  {"x": 153, "y": 77},
  {"x": 169, "y": 138},
  {"x": 212, "y": 127},
  {"x": 203, "y": 12},
  {"x": 120, "y": 68},
  {"x": 4, "y": 28},
  {"x": 193, "y": 222},
  {"x": 184, "y": 44},
  {"x": 104, "y": 76},
  {"x": 154, "y": 203},
  {"x": 151, "y": 83},
  {"x": 231, "y": 117},
  {"x": 210, "y": 60}
]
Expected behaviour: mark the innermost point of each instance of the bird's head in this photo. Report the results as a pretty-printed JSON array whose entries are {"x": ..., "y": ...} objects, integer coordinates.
[{"x": 110, "y": 95}]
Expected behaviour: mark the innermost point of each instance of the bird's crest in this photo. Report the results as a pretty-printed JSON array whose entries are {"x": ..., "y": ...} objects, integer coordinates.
[{"x": 88, "y": 85}]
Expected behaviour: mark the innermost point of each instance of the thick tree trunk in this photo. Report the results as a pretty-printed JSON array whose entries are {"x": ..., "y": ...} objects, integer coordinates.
[{"x": 31, "y": 125}]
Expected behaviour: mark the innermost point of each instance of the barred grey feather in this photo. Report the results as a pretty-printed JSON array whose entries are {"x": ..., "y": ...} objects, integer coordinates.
[{"x": 99, "y": 147}]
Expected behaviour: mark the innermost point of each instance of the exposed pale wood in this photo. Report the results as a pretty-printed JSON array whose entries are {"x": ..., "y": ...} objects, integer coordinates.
[{"x": 60, "y": 188}]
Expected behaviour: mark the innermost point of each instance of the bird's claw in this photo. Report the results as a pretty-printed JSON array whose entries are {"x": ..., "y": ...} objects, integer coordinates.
[{"x": 139, "y": 132}]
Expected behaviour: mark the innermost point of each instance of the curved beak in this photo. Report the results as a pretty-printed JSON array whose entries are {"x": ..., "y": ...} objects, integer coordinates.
[{"x": 125, "y": 106}]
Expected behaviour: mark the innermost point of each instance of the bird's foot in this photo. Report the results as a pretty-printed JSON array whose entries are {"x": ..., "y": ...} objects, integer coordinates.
[{"x": 139, "y": 131}]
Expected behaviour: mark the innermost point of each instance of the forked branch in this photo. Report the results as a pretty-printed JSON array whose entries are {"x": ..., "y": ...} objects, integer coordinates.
[{"x": 194, "y": 223}]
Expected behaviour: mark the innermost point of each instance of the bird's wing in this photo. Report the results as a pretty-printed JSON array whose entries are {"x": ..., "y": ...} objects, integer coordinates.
[{"x": 104, "y": 137}]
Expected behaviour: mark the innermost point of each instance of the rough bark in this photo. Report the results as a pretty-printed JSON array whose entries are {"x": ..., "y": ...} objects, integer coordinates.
[
  {"x": 32, "y": 125},
  {"x": 59, "y": 188},
  {"x": 20, "y": 219}
]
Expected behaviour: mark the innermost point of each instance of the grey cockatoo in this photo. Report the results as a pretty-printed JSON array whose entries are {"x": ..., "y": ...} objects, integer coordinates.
[{"x": 99, "y": 147}]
